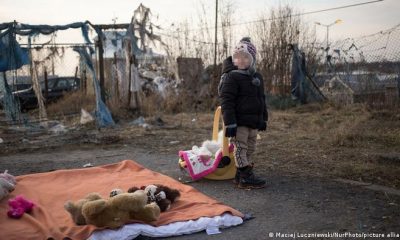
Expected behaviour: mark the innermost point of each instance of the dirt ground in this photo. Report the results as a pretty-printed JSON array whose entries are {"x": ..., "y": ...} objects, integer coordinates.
[{"x": 305, "y": 156}]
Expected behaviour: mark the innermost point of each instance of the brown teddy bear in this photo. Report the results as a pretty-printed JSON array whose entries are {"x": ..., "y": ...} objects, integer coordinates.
[
  {"x": 75, "y": 209},
  {"x": 162, "y": 195},
  {"x": 118, "y": 210}
]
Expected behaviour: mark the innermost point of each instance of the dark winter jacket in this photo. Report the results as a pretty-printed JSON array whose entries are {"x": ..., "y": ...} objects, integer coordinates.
[{"x": 242, "y": 98}]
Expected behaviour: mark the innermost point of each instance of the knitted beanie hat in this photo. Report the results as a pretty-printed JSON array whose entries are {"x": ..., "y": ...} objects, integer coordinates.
[{"x": 246, "y": 46}]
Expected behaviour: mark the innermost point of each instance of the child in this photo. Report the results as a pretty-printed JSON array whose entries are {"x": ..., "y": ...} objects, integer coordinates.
[{"x": 242, "y": 98}]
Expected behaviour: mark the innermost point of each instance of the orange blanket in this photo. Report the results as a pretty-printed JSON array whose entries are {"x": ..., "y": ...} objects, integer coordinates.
[{"x": 50, "y": 190}]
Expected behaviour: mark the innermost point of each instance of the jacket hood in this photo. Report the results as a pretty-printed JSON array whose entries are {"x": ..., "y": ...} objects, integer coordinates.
[{"x": 227, "y": 65}]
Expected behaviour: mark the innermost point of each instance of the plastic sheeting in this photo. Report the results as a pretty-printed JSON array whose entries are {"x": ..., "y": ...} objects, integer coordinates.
[
  {"x": 10, "y": 106},
  {"x": 302, "y": 88},
  {"x": 32, "y": 30},
  {"x": 12, "y": 56},
  {"x": 103, "y": 115}
]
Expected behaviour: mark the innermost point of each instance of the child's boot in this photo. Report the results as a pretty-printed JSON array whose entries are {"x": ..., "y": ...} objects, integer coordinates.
[{"x": 247, "y": 179}]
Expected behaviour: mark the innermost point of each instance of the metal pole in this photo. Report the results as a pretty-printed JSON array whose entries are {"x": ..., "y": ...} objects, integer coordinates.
[{"x": 216, "y": 31}]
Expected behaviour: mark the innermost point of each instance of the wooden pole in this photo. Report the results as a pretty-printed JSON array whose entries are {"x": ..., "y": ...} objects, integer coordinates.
[
  {"x": 136, "y": 93},
  {"x": 116, "y": 77},
  {"x": 76, "y": 72},
  {"x": 130, "y": 82},
  {"x": 101, "y": 66},
  {"x": 84, "y": 81},
  {"x": 46, "y": 84},
  {"x": 216, "y": 37}
]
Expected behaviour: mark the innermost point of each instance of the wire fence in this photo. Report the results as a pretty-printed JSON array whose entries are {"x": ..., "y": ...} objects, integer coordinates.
[
  {"x": 364, "y": 69},
  {"x": 48, "y": 63},
  {"x": 38, "y": 70}
]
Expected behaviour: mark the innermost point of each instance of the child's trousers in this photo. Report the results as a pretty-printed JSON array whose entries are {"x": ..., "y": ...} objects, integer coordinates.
[{"x": 245, "y": 145}]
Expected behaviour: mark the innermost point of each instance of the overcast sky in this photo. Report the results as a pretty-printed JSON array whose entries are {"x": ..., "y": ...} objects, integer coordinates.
[{"x": 357, "y": 21}]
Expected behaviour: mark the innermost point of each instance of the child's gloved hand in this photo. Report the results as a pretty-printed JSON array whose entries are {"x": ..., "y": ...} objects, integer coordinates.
[
  {"x": 230, "y": 131},
  {"x": 263, "y": 126}
]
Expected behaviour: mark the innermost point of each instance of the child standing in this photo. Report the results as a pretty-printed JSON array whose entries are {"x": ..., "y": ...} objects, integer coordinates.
[{"x": 242, "y": 98}]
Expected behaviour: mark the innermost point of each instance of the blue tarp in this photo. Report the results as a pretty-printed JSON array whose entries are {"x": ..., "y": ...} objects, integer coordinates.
[
  {"x": 103, "y": 115},
  {"x": 12, "y": 56},
  {"x": 13, "y": 29}
]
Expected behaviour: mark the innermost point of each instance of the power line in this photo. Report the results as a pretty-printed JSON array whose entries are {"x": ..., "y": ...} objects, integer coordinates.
[
  {"x": 190, "y": 39},
  {"x": 311, "y": 12},
  {"x": 343, "y": 42},
  {"x": 293, "y": 15}
]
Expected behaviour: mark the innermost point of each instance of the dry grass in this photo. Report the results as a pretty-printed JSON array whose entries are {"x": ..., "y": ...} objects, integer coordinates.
[
  {"x": 353, "y": 142},
  {"x": 72, "y": 103},
  {"x": 176, "y": 102},
  {"x": 349, "y": 142}
]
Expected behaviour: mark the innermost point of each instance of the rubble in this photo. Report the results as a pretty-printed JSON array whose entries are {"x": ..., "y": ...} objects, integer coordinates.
[
  {"x": 58, "y": 129},
  {"x": 85, "y": 117},
  {"x": 154, "y": 79}
]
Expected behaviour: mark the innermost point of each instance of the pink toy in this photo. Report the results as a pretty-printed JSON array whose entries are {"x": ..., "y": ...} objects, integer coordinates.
[
  {"x": 18, "y": 206},
  {"x": 199, "y": 165}
]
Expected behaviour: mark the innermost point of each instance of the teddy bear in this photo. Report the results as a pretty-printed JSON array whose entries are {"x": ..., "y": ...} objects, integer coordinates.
[
  {"x": 75, "y": 209},
  {"x": 118, "y": 210},
  {"x": 162, "y": 195},
  {"x": 115, "y": 192},
  {"x": 7, "y": 184}
]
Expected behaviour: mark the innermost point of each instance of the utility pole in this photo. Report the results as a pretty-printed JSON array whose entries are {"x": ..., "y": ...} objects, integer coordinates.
[{"x": 216, "y": 39}]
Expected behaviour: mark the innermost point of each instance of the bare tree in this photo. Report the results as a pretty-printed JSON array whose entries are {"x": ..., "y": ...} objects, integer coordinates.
[
  {"x": 273, "y": 37},
  {"x": 197, "y": 40}
]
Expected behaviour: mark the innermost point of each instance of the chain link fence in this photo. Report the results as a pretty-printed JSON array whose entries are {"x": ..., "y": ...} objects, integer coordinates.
[
  {"x": 55, "y": 77},
  {"x": 358, "y": 70}
]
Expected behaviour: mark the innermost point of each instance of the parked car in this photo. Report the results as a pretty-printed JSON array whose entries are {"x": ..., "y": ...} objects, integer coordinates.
[{"x": 57, "y": 87}]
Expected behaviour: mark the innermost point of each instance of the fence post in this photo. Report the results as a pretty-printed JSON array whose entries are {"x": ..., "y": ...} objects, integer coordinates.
[
  {"x": 116, "y": 90},
  {"x": 101, "y": 66},
  {"x": 46, "y": 84},
  {"x": 135, "y": 94},
  {"x": 84, "y": 81}
]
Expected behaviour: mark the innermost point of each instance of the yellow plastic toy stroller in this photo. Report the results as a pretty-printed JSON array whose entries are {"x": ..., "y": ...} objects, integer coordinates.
[{"x": 224, "y": 171}]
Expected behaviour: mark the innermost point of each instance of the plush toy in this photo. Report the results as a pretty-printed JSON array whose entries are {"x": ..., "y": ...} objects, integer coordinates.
[
  {"x": 162, "y": 195},
  {"x": 18, "y": 206},
  {"x": 118, "y": 210},
  {"x": 75, "y": 209},
  {"x": 7, "y": 184},
  {"x": 207, "y": 150},
  {"x": 115, "y": 192}
]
